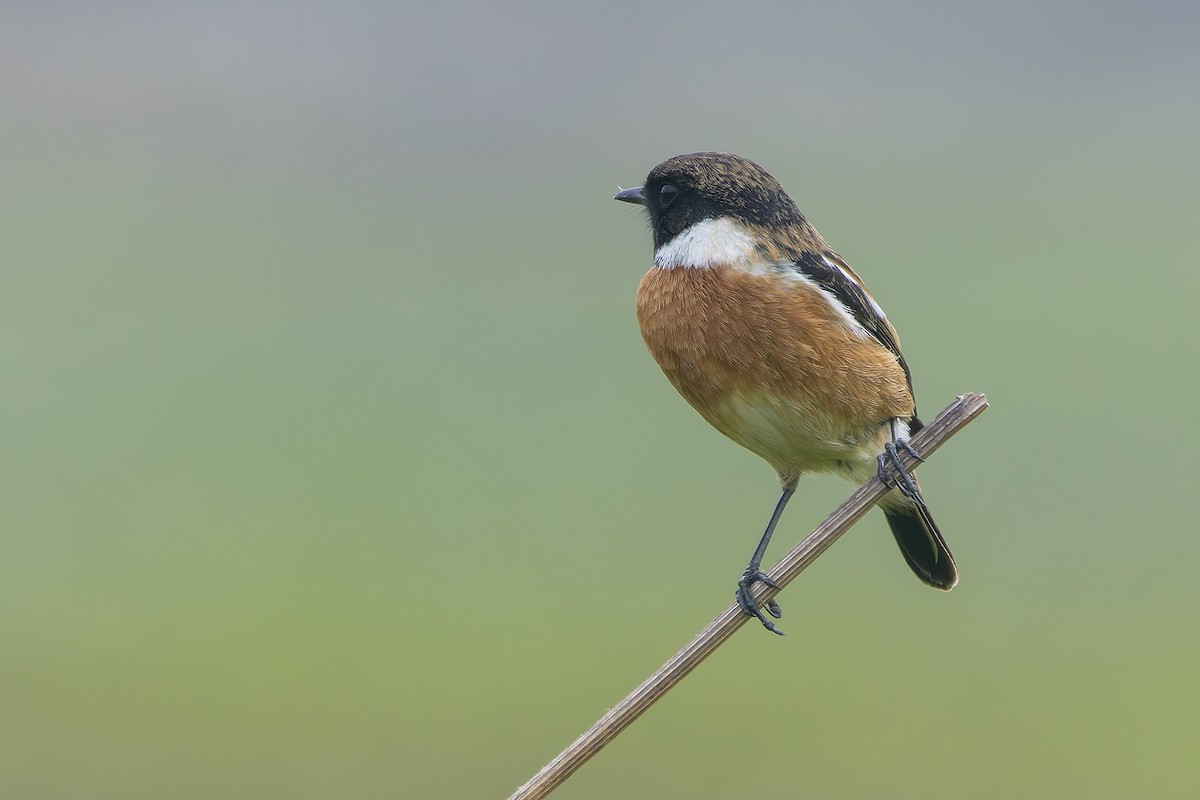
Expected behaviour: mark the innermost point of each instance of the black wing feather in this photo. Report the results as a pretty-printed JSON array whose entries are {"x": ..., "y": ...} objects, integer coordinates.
[{"x": 823, "y": 270}]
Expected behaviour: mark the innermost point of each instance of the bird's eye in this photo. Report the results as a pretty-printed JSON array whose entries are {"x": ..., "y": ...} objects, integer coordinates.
[{"x": 667, "y": 194}]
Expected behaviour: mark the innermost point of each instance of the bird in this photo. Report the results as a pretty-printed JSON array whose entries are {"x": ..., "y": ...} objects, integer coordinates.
[{"x": 774, "y": 339}]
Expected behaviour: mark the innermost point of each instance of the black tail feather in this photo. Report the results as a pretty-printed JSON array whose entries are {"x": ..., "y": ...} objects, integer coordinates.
[{"x": 920, "y": 541}]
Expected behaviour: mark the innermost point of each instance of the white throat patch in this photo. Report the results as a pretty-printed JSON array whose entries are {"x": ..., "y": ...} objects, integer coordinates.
[{"x": 706, "y": 244}]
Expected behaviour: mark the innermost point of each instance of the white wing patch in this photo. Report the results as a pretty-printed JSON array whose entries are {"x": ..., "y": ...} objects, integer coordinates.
[
  {"x": 874, "y": 306},
  {"x": 848, "y": 319},
  {"x": 708, "y": 243}
]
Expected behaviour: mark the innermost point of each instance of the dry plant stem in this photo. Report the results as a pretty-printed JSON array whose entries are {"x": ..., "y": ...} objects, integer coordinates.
[{"x": 952, "y": 419}]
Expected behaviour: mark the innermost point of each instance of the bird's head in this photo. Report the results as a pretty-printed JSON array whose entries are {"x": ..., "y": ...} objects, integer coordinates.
[{"x": 698, "y": 187}]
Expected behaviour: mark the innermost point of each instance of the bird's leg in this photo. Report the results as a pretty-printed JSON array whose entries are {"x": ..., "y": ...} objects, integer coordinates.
[
  {"x": 754, "y": 573},
  {"x": 890, "y": 461}
]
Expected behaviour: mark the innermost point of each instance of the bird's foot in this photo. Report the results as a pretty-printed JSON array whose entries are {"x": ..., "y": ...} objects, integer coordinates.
[
  {"x": 745, "y": 598},
  {"x": 891, "y": 469}
]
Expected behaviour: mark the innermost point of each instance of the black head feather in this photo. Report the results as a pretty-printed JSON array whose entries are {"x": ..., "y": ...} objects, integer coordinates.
[{"x": 690, "y": 188}]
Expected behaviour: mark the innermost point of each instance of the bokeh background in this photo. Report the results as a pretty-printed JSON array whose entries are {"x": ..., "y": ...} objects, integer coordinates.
[{"x": 333, "y": 464}]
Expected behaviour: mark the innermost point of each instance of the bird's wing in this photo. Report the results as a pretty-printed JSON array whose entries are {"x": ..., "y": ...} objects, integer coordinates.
[{"x": 831, "y": 273}]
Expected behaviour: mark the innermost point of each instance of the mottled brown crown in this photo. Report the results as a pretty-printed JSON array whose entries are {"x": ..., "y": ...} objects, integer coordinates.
[{"x": 714, "y": 185}]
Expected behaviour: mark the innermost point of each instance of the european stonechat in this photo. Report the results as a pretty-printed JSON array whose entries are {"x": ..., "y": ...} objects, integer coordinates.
[{"x": 774, "y": 339}]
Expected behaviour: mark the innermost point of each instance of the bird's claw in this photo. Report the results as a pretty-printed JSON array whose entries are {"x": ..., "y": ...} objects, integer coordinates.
[
  {"x": 891, "y": 469},
  {"x": 745, "y": 598}
]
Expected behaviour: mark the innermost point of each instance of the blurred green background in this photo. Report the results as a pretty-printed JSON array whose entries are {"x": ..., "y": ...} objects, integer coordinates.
[{"x": 334, "y": 465}]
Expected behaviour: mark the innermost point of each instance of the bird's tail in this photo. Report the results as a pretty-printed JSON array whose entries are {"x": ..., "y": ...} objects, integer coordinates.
[{"x": 920, "y": 540}]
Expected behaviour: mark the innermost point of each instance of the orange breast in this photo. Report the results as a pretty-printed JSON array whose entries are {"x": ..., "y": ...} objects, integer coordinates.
[{"x": 771, "y": 364}]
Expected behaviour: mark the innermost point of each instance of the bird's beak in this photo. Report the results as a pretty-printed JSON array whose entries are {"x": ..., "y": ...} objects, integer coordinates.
[{"x": 633, "y": 195}]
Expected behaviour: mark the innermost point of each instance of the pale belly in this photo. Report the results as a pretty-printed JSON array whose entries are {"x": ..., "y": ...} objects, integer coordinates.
[{"x": 796, "y": 439}]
